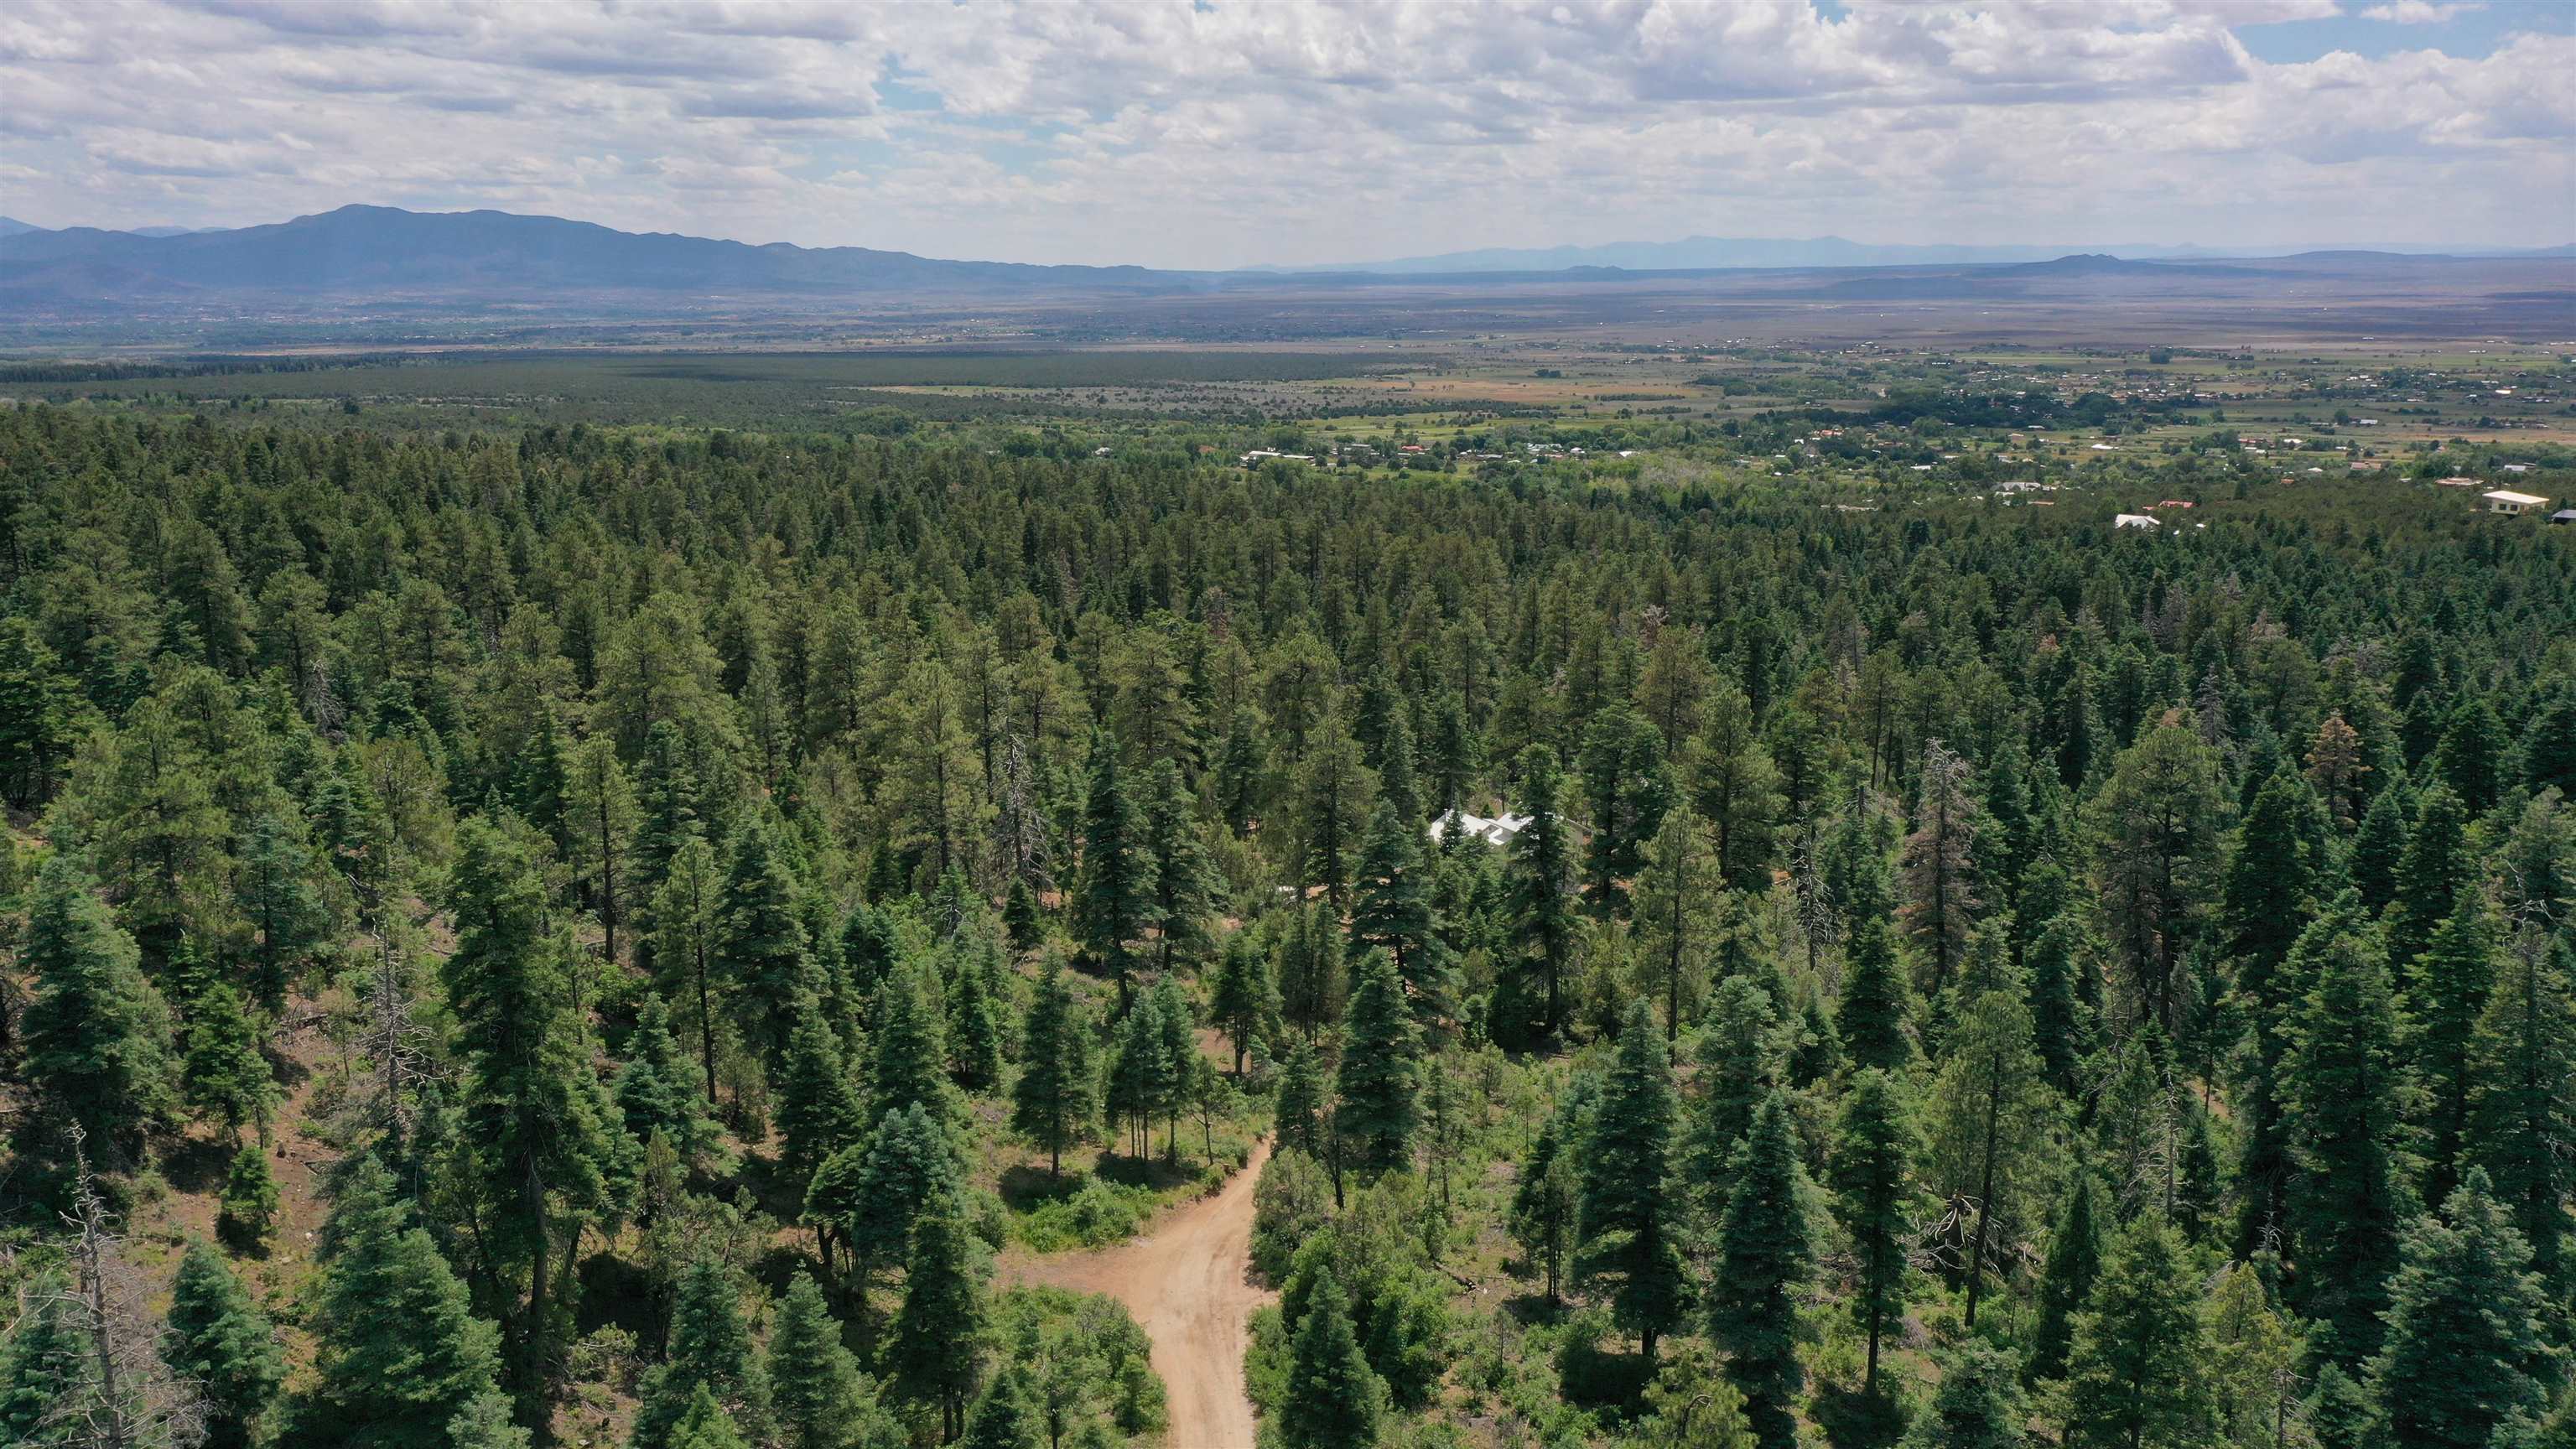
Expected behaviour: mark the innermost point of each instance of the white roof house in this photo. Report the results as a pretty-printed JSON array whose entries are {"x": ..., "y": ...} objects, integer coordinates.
[
  {"x": 2134, "y": 520},
  {"x": 1497, "y": 831},
  {"x": 2504, "y": 500}
]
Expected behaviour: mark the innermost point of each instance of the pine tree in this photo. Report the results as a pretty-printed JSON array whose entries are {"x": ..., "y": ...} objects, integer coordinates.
[
  {"x": 2155, "y": 827},
  {"x": 975, "y": 1016},
  {"x": 759, "y": 950},
  {"x": 1871, "y": 1019},
  {"x": 2066, "y": 1277},
  {"x": 1989, "y": 1121},
  {"x": 1334, "y": 1400},
  {"x": 1393, "y": 914},
  {"x": 2138, "y": 1373},
  {"x": 818, "y": 1399},
  {"x": 1876, "y": 1144},
  {"x": 1541, "y": 912},
  {"x": 2060, "y": 1025},
  {"x": 932, "y": 1351},
  {"x": 1245, "y": 1002},
  {"x": 1735, "y": 785},
  {"x": 1944, "y": 889},
  {"x": 1629, "y": 1233},
  {"x": 2345, "y": 1091},
  {"x": 1136, "y": 1087},
  {"x": 93, "y": 1033},
  {"x": 1115, "y": 902},
  {"x": 1331, "y": 811},
  {"x": 2522, "y": 1104},
  {"x": 399, "y": 1353},
  {"x": 2464, "y": 1318},
  {"x": 537, "y": 1126},
  {"x": 1311, "y": 969},
  {"x": 684, "y": 944},
  {"x": 1978, "y": 1406},
  {"x": 1004, "y": 1418},
  {"x": 1176, "y": 1051},
  {"x": 1055, "y": 1097},
  {"x": 600, "y": 824},
  {"x": 710, "y": 1359},
  {"x": 219, "y": 1342},
  {"x": 1673, "y": 928},
  {"x": 1379, "y": 1082},
  {"x": 249, "y": 1203},
  {"x": 1546, "y": 1204},
  {"x": 39, "y": 703},
  {"x": 1766, "y": 1253}
]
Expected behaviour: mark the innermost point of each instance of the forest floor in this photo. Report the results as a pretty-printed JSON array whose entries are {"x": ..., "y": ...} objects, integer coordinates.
[{"x": 1188, "y": 1281}]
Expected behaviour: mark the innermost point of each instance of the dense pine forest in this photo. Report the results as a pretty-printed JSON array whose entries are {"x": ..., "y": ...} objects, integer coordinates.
[{"x": 658, "y": 937}]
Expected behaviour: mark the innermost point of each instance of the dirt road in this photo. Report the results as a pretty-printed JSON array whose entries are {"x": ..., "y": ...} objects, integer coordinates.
[{"x": 1188, "y": 1282}]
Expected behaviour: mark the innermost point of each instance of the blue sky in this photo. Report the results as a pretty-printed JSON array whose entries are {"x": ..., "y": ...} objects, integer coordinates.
[{"x": 1288, "y": 131}]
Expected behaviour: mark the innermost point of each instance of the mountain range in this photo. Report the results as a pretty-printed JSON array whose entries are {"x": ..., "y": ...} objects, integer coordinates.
[{"x": 377, "y": 253}]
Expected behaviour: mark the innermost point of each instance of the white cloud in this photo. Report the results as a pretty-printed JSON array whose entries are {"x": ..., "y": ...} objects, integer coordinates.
[
  {"x": 1285, "y": 130},
  {"x": 2418, "y": 12}
]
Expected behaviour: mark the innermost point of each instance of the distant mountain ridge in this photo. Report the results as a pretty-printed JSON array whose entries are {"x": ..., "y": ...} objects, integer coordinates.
[
  {"x": 1704, "y": 253},
  {"x": 473, "y": 259}
]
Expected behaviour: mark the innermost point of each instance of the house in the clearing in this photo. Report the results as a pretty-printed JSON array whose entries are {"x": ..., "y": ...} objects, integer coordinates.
[
  {"x": 2134, "y": 520},
  {"x": 1497, "y": 831},
  {"x": 2505, "y": 500}
]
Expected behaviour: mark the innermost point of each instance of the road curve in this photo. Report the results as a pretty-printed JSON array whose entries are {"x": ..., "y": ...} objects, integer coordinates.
[{"x": 1189, "y": 1282}]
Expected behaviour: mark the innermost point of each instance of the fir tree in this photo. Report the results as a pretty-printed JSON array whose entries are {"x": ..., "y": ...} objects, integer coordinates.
[
  {"x": 1393, "y": 914},
  {"x": 2137, "y": 1374},
  {"x": 1004, "y": 1418},
  {"x": 93, "y": 1034},
  {"x": 1672, "y": 927},
  {"x": 818, "y": 1399},
  {"x": 1546, "y": 1204},
  {"x": 2464, "y": 1328},
  {"x": 1379, "y": 1083},
  {"x": 1629, "y": 1233},
  {"x": 1943, "y": 888},
  {"x": 1871, "y": 1019},
  {"x": 600, "y": 823},
  {"x": 219, "y": 1342},
  {"x": 684, "y": 944},
  {"x": 759, "y": 949},
  {"x": 657, "y": 1090},
  {"x": 1989, "y": 1121},
  {"x": 1735, "y": 784},
  {"x": 1187, "y": 887},
  {"x": 932, "y": 1352},
  {"x": 975, "y": 1019},
  {"x": 1766, "y": 1253},
  {"x": 1541, "y": 912},
  {"x": 1245, "y": 1003},
  {"x": 2066, "y": 1277},
  {"x": 223, "y": 1073},
  {"x": 1301, "y": 1107},
  {"x": 1054, "y": 1098},
  {"x": 1978, "y": 1406},
  {"x": 1876, "y": 1144},
  {"x": 2522, "y": 1104},
  {"x": 537, "y": 1123},
  {"x": 274, "y": 894},
  {"x": 2442, "y": 1009},
  {"x": 1334, "y": 1400},
  {"x": 249, "y": 1203},
  {"x": 1176, "y": 1052},
  {"x": 819, "y": 1112},
  {"x": 876, "y": 1194},
  {"x": 2345, "y": 1091},
  {"x": 908, "y": 1050},
  {"x": 705, "y": 1424},
  {"x": 710, "y": 1358},
  {"x": 2060, "y": 1026},
  {"x": 2431, "y": 876},
  {"x": 1628, "y": 787},
  {"x": 2378, "y": 846},
  {"x": 1115, "y": 902},
  {"x": 398, "y": 1353},
  {"x": 1742, "y": 1052}
]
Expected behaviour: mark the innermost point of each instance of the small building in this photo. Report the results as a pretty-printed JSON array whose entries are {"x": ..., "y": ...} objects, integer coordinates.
[
  {"x": 2457, "y": 482},
  {"x": 2134, "y": 520},
  {"x": 2564, "y": 515},
  {"x": 1496, "y": 831},
  {"x": 2506, "y": 501}
]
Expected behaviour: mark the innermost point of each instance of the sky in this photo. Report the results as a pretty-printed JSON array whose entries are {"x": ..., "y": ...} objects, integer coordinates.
[{"x": 1244, "y": 132}]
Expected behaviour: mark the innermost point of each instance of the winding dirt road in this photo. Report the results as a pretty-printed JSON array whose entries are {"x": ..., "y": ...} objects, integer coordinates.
[{"x": 1189, "y": 1283}]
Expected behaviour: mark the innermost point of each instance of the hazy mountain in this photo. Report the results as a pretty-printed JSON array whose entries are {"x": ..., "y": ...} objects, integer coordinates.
[
  {"x": 381, "y": 250},
  {"x": 11, "y": 226},
  {"x": 1701, "y": 253}
]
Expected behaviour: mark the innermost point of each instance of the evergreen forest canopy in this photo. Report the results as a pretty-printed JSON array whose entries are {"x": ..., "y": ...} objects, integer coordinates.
[{"x": 609, "y": 936}]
